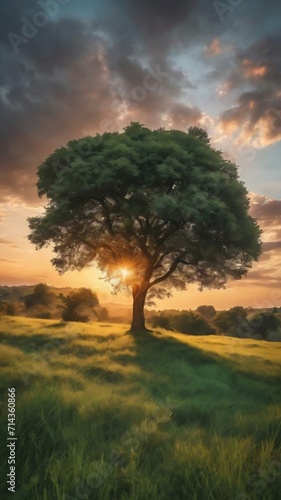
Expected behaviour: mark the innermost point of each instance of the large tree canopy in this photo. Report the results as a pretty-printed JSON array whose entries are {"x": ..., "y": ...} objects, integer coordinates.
[{"x": 154, "y": 209}]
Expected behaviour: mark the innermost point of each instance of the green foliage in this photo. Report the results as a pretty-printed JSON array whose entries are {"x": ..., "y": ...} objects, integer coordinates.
[
  {"x": 7, "y": 308},
  {"x": 207, "y": 312},
  {"x": 41, "y": 296},
  {"x": 234, "y": 317},
  {"x": 78, "y": 305},
  {"x": 162, "y": 202},
  {"x": 263, "y": 323},
  {"x": 160, "y": 321},
  {"x": 192, "y": 323},
  {"x": 199, "y": 133}
]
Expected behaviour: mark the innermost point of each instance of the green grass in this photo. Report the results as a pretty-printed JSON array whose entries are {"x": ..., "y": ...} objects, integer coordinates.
[{"x": 101, "y": 414}]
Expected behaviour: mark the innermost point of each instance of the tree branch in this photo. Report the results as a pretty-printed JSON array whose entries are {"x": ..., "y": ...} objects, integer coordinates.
[
  {"x": 158, "y": 262},
  {"x": 107, "y": 218},
  {"x": 169, "y": 272}
]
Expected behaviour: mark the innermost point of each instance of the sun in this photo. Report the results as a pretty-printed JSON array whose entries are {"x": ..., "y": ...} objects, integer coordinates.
[{"x": 125, "y": 273}]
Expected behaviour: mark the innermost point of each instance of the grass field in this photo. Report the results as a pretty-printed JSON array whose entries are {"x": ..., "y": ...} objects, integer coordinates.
[{"x": 101, "y": 414}]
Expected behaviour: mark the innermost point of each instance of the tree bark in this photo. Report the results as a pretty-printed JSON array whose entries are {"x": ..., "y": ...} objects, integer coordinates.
[{"x": 138, "y": 320}]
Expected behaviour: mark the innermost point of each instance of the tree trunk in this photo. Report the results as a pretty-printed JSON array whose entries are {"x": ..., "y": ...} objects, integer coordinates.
[{"x": 138, "y": 321}]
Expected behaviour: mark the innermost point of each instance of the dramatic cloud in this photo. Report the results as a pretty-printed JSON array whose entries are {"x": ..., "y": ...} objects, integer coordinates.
[
  {"x": 53, "y": 92},
  {"x": 182, "y": 116},
  {"x": 98, "y": 65},
  {"x": 266, "y": 210},
  {"x": 257, "y": 76},
  {"x": 77, "y": 77},
  {"x": 271, "y": 245}
]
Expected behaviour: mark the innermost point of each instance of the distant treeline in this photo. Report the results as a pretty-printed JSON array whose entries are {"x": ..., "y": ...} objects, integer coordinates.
[
  {"x": 236, "y": 322},
  {"x": 45, "y": 302}
]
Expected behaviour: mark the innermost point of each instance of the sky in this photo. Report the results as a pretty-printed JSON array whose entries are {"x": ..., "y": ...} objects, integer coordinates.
[{"x": 73, "y": 68}]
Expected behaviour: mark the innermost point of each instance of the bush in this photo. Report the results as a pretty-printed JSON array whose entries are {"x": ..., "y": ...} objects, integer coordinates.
[
  {"x": 41, "y": 296},
  {"x": 192, "y": 323},
  {"x": 101, "y": 313},
  {"x": 7, "y": 308},
  {"x": 207, "y": 312},
  {"x": 263, "y": 323},
  {"x": 224, "y": 320},
  {"x": 44, "y": 315},
  {"x": 79, "y": 304},
  {"x": 161, "y": 321}
]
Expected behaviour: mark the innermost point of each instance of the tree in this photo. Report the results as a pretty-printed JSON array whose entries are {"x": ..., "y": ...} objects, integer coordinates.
[
  {"x": 41, "y": 296},
  {"x": 160, "y": 321},
  {"x": 78, "y": 304},
  {"x": 263, "y": 323},
  {"x": 7, "y": 308},
  {"x": 153, "y": 209},
  {"x": 101, "y": 313},
  {"x": 207, "y": 312},
  {"x": 234, "y": 317},
  {"x": 192, "y": 324}
]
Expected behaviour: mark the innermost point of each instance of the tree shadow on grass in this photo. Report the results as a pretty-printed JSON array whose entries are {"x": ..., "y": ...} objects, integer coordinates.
[
  {"x": 30, "y": 343},
  {"x": 210, "y": 390},
  {"x": 148, "y": 351},
  {"x": 60, "y": 324}
]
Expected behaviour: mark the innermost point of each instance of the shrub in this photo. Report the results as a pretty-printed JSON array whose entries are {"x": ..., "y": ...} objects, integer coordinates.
[
  {"x": 192, "y": 323},
  {"x": 7, "y": 308},
  {"x": 263, "y": 323},
  {"x": 101, "y": 313},
  {"x": 207, "y": 312},
  {"x": 41, "y": 296},
  {"x": 160, "y": 321},
  {"x": 11, "y": 310},
  {"x": 79, "y": 304},
  {"x": 224, "y": 320}
]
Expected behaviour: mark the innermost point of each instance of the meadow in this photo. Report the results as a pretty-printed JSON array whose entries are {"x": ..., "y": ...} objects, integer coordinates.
[{"x": 102, "y": 414}]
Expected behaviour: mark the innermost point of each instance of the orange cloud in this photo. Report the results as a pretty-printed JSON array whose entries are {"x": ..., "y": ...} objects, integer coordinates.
[
  {"x": 256, "y": 121},
  {"x": 256, "y": 71},
  {"x": 214, "y": 48}
]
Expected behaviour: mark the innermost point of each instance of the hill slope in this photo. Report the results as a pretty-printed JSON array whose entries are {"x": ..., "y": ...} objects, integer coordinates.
[{"x": 101, "y": 414}]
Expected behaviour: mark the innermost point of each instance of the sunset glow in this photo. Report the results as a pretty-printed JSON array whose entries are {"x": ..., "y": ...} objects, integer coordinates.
[
  {"x": 95, "y": 68},
  {"x": 125, "y": 273}
]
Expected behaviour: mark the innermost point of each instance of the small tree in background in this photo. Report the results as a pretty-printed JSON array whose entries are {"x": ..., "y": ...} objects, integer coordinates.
[
  {"x": 192, "y": 323},
  {"x": 263, "y": 323},
  {"x": 160, "y": 321},
  {"x": 79, "y": 304},
  {"x": 207, "y": 312},
  {"x": 7, "y": 308},
  {"x": 224, "y": 320},
  {"x": 101, "y": 313},
  {"x": 41, "y": 296}
]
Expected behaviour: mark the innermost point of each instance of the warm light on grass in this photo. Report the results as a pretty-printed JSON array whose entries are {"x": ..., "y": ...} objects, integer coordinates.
[{"x": 88, "y": 389}]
